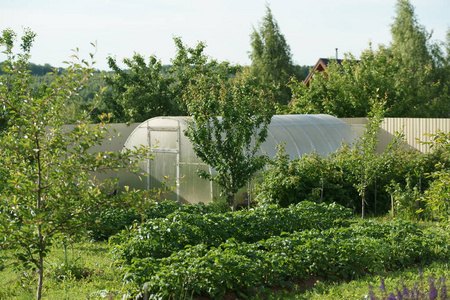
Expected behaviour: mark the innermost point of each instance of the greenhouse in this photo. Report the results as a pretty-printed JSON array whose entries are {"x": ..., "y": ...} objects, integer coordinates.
[{"x": 175, "y": 163}]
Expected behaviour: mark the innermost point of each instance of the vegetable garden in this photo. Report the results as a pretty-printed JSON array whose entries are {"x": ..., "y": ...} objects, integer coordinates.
[
  {"x": 246, "y": 252},
  {"x": 304, "y": 226}
]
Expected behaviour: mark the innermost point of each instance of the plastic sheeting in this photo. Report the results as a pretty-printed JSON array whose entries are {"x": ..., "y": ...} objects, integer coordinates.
[{"x": 175, "y": 164}]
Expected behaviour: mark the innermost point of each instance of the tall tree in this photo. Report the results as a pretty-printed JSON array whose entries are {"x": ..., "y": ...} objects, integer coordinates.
[
  {"x": 419, "y": 80},
  {"x": 412, "y": 72},
  {"x": 139, "y": 92},
  {"x": 229, "y": 123},
  {"x": 409, "y": 38},
  {"x": 271, "y": 58},
  {"x": 142, "y": 91}
]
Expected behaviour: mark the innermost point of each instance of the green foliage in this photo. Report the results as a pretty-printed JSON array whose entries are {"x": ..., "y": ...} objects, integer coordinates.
[
  {"x": 190, "y": 64},
  {"x": 437, "y": 196},
  {"x": 336, "y": 253},
  {"x": 81, "y": 270},
  {"x": 310, "y": 177},
  {"x": 363, "y": 154},
  {"x": 127, "y": 211},
  {"x": 412, "y": 72},
  {"x": 229, "y": 123},
  {"x": 358, "y": 163},
  {"x": 160, "y": 237},
  {"x": 272, "y": 65},
  {"x": 145, "y": 90},
  {"x": 341, "y": 177},
  {"x": 139, "y": 92},
  {"x": 48, "y": 185}
]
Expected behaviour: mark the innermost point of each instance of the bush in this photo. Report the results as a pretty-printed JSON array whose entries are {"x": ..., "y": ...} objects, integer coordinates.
[
  {"x": 398, "y": 171},
  {"x": 308, "y": 178}
]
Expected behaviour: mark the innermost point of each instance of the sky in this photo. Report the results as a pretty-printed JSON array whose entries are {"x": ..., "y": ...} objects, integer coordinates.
[{"x": 312, "y": 28}]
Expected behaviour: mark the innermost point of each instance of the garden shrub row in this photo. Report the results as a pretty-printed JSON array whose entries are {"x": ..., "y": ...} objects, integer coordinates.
[
  {"x": 336, "y": 178},
  {"x": 160, "y": 237},
  {"x": 335, "y": 253},
  {"x": 106, "y": 223}
]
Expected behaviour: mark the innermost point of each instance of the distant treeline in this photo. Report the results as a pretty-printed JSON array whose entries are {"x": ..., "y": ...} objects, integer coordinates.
[{"x": 37, "y": 70}]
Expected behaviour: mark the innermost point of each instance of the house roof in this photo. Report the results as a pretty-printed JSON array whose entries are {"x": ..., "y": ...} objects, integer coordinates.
[{"x": 320, "y": 66}]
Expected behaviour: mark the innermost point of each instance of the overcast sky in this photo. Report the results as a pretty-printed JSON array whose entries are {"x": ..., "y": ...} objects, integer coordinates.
[{"x": 313, "y": 28}]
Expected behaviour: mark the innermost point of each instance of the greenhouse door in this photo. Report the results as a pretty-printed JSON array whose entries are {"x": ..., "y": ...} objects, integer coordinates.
[{"x": 164, "y": 142}]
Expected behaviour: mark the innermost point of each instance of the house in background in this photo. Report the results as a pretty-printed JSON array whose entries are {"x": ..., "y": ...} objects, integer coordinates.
[{"x": 320, "y": 66}]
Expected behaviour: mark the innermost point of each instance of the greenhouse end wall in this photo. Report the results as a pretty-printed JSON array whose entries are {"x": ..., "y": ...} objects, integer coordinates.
[{"x": 175, "y": 164}]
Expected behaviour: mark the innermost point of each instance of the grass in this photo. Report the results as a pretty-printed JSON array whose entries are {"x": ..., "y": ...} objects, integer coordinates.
[
  {"x": 84, "y": 271},
  {"x": 81, "y": 271},
  {"x": 359, "y": 288}
]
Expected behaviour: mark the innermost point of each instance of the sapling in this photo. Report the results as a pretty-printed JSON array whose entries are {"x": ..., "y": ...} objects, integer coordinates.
[{"x": 48, "y": 183}]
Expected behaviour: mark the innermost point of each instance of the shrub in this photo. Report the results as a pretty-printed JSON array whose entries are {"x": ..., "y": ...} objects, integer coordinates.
[{"x": 398, "y": 171}]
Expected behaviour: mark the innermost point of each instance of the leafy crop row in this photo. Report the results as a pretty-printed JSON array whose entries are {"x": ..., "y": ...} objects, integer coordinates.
[
  {"x": 241, "y": 267},
  {"x": 160, "y": 237},
  {"x": 105, "y": 223}
]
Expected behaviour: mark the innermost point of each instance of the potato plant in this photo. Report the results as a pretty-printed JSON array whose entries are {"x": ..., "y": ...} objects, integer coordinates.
[
  {"x": 160, "y": 237},
  {"x": 335, "y": 253}
]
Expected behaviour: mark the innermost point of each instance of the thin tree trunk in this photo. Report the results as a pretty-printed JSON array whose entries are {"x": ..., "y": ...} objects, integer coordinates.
[
  {"x": 232, "y": 202},
  {"x": 321, "y": 191},
  {"x": 38, "y": 208},
  {"x": 392, "y": 206},
  {"x": 363, "y": 201},
  {"x": 375, "y": 200},
  {"x": 41, "y": 275}
]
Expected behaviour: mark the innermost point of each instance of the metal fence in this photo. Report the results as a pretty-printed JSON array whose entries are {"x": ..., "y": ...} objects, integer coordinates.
[{"x": 413, "y": 130}]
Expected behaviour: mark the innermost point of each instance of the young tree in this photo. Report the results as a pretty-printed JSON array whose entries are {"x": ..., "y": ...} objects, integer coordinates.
[
  {"x": 362, "y": 158},
  {"x": 229, "y": 123},
  {"x": 48, "y": 184},
  {"x": 437, "y": 196},
  {"x": 271, "y": 57}
]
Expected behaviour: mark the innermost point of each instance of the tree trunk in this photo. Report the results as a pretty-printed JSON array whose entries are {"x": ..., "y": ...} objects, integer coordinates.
[
  {"x": 392, "y": 205},
  {"x": 41, "y": 269},
  {"x": 363, "y": 201},
  {"x": 321, "y": 190},
  {"x": 232, "y": 202},
  {"x": 375, "y": 200}
]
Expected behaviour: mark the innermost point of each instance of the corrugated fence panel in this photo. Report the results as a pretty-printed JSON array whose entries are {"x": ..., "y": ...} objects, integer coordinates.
[{"x": 412, "y": 129}]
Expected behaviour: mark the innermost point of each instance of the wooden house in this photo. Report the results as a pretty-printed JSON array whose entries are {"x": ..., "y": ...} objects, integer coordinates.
[{"x": 321, "y": 66}]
